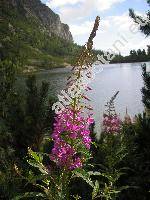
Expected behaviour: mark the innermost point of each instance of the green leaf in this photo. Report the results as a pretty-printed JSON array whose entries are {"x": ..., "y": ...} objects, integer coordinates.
[
  {"x": 29, "y": 194},
  {"x": 38, "y": 165},
  {"x": 36, "y": 156},
  {"x": 80, "y": 173},
  {"x": 91, "y": 173},
  {"x": 95, "y": 189},
  {"x": 32, "y": 178},
  {"x": 95, "y": 144}
]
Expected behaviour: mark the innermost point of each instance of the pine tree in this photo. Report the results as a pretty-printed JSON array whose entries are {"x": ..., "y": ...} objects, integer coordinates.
[
  {"x": 144, "y": 23},
  {"x": 146, "y": 88},
  {"x": 30, "y": 117},
  {"x": 146, "y": 75},
  {"x": 148, "y": 50}
]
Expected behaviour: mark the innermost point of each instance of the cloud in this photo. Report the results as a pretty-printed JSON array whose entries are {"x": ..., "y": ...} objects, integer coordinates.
[
  {"x": 76, "y": 13},
  {"x": 124, "y": 22},
  {"x": 119, "y": 34},
  {"x": 114, "y": 33},
  {"x": 98, "y": 4},
  {"x": 74, "y": 10},
  {"x": 86, "y": 27},
  {"x": 81, "y": 29},
  {"x": 60, "y": 3},
  {"x": 106, "y": 4}
]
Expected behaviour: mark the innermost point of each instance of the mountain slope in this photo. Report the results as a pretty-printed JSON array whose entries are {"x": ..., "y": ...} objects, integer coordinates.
[
  {"x": 33, "y": 33},
  {"x": 47, "y": 19}
]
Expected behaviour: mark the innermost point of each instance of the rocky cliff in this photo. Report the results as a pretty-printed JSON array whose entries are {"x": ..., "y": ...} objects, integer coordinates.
[{"x": 49, "y": 21}]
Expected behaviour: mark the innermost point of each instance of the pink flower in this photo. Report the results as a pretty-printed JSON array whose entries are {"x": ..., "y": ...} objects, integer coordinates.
[
  {"x": 90, "y": 120},
  {"x": 73, "y": 135},
  {"x": 111, "y": 124},
  {"x": 70, "y": 127}
]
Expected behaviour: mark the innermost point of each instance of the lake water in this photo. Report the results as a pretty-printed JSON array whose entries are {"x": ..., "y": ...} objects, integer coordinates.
[{"x": 125, "y": 78}]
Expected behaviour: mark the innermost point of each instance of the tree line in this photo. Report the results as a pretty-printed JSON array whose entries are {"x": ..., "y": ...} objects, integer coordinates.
[{"x": 140, "y": 55}]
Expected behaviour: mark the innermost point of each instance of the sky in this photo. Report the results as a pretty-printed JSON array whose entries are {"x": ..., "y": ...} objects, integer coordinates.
[{"x": 117, "y": 32}]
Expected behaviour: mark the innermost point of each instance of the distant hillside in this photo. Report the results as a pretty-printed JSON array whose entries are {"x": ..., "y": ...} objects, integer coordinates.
[{"x": 33, "y": 33}]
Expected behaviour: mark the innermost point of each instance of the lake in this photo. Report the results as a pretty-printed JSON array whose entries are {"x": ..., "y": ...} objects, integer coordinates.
[{"x": 125, "y": 78}]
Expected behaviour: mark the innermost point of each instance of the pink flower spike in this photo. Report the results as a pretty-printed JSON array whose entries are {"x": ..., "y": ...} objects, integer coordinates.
[{"x": 67, "y": 127}]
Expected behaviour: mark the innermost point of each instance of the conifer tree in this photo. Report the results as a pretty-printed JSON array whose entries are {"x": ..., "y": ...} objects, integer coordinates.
[
  {"x": 146, "y": 88},
  {"x": 144, "y": 23}
]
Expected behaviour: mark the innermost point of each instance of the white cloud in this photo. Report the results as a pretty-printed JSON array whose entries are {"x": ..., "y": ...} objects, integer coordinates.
[
  {"x": 124, "y": 22},
  {"x": 106, "y": 4},
  {"x": 86, "y": 27},
  {"x": 59, "y": 3},
  {"x": 112, "y": 29},
  {"x": 123, "y": 19},
  {"x": 119, "y": 34},
  {"x": 81, "y": 29},
  {"x": 76, "y": 13},
  {"x": 74, "y": 10},
  {"x": 98, "y": 4}
]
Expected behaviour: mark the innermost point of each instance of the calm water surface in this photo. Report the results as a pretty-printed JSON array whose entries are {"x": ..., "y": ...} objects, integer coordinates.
[{"x": 125, "y": 78}]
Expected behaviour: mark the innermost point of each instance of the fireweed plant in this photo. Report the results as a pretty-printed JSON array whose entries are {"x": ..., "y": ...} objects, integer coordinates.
[
  {"x": 71, "y": 128},
  {"x": 111, "y": 121}
]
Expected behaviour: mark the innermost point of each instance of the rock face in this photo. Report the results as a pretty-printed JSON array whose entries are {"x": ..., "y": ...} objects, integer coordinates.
[{"x": 48, "y": 19}]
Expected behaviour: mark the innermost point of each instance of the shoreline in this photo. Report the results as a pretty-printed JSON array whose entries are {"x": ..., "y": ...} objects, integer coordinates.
[{"x": 33, "y": 69}]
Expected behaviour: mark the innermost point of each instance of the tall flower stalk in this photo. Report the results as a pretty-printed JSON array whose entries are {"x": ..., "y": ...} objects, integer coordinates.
[
  {"x": 111, "y": 121},
  {"x": 71, "y": 133}
]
